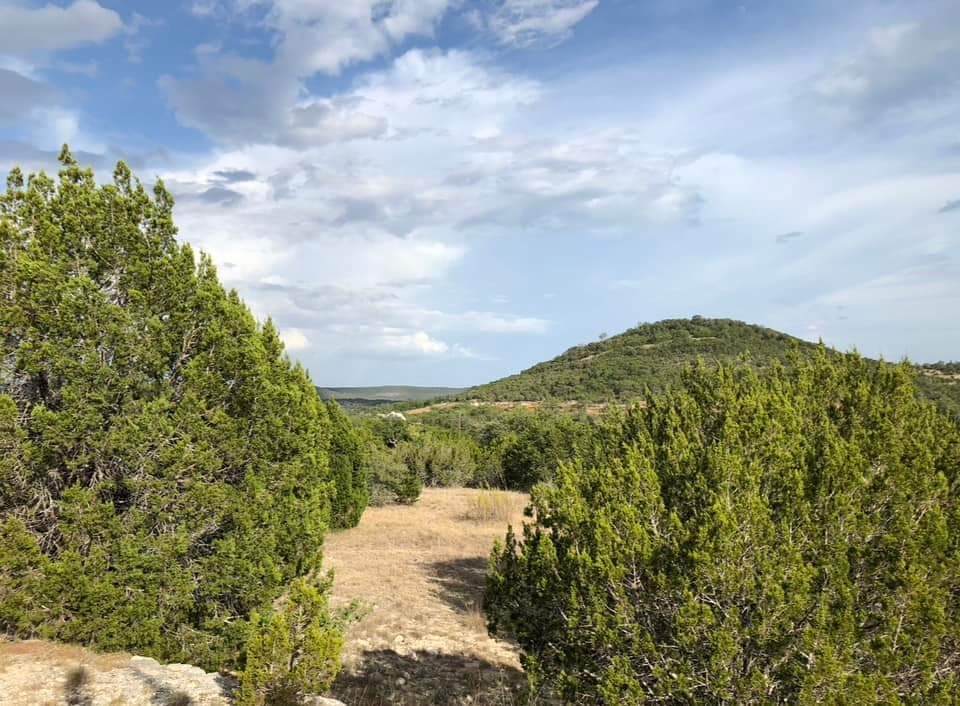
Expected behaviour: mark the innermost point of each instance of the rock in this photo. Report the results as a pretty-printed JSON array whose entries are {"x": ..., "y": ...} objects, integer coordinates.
[
  {"x": 36, "y": 672},
  {"x": 321, "y": 701}
]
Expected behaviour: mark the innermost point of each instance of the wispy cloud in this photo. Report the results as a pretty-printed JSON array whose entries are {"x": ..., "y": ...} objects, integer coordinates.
[
  {"x": 529, "y": 23},
  {"x": 787, "y": 237}
]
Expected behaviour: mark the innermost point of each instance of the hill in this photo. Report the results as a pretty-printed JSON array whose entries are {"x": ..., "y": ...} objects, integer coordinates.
[{"x": 653, "y": 355}]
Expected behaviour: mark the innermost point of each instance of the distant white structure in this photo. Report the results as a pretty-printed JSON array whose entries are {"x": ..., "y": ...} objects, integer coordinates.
[{"x": 393, "y": 415}]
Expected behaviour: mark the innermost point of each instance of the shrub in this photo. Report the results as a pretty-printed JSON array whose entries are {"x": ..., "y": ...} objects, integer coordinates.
[
  {"x": 349, "y": 467},
  {"x": 391, "y": 479},
  {"x": 790, "y": 537},
  {"x": 440, "y": 458},
  {"x": 292, "y": 650},
  {"x": 163, "y": 465},
  {"x": 536, "y": 445}
]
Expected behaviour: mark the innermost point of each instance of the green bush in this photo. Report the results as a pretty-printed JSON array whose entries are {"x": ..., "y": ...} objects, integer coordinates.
[
  {"x": 785, "y": 537},
  {"x": 163, "y": 465},
  {"x": 391, "y": 479},
  {"x": 349, "y": 466},
  {"x": 292, "y": 650},
  {"x": 487, "y": 447},
  {"x": 441, "y": 458},
  {"x": 536, "y": 445}
]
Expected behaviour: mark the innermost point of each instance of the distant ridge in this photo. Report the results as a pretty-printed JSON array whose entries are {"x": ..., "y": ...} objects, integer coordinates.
[{"x": 388, "y": 393}]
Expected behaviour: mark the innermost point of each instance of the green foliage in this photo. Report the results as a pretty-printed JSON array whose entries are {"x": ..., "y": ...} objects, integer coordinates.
[
  {"x": 163, "y": 466},
  {"x": 509, "y": 449},
  {"x": 391, "y": 428},
  {"x": 391, "y": 479},
  {"x": 439, "y": 457},
  {"x": 535, "y": 447},
  {"x": 790, "y": 536},
  {"x": 940, "y": 382},
  {"x": 349, "y": 466},
  {"x": 292, "y": 650}
]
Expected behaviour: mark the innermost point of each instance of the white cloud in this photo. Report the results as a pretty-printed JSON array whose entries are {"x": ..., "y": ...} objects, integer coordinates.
[
  {"x": 897, "y": 65},
  {"x": 419, "y": 342},
  {"x": 52, "y": 28},
  {"x": 204, "y": 8},
  {"x": 527, "y": 23},
  {"x": 134, "y": 40},
  {"x": 322, "y": 121},
  {"x": 328, "y": 36},
  {"x": 294, "y": 339}
]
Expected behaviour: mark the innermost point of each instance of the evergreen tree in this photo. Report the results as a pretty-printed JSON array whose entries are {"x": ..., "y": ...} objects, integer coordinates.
[
  {"x": 787, "y": 537},
  {"x": 349, "y": 464},
  {"x": 163, "y": 465}
]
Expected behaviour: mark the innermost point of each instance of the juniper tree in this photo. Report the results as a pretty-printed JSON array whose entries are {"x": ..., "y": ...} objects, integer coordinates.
[
  {"x": 349, "y": 464},
  {"x": 788, "y": 537},
  {"x": 164, "y": 466}
]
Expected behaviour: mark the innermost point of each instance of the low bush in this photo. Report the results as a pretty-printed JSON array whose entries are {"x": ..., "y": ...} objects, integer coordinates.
[
  {"x": 391, "y": 479},
  {"x": 292, "y": 650}
]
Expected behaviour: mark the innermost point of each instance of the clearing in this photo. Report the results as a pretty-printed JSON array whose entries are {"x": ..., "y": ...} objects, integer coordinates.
[{"x": 419, "y": 571}]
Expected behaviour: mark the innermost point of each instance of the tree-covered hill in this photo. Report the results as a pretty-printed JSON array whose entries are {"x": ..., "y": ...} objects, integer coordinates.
[{"x": 654, "y": 354}]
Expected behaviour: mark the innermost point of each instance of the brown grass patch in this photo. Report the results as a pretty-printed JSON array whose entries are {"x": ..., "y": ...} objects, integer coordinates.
[
  {"x": 420, "y": 569},
  {"x": 493, "y": 506},
  {"x": 61, "y": 653}
]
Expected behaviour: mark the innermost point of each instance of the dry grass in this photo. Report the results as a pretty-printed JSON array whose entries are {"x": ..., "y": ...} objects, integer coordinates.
[
  {"x": 419, "y": 570},
  {"x": 60, "y": 653},
  {"x": 493, "y": 506}
]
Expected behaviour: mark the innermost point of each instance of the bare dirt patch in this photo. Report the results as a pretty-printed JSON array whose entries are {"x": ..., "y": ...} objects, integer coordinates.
[
  {"x": 37, "y": 673},
  {"x": 419, "y": 570}
]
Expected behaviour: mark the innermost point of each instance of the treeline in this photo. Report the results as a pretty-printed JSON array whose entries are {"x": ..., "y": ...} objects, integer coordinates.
[
  {"x": 468, "y": 446},
  {"x": 166, "y": 473}
]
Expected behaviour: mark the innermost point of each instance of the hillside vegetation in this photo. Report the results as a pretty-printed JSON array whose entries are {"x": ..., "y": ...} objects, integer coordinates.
[{"x": 654, "y": 355}]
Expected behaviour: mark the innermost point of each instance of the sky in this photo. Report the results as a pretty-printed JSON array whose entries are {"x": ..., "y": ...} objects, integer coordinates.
[{"x": 443, "y": 192}]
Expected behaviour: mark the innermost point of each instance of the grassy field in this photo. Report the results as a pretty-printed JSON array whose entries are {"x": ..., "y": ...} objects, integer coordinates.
[{"x": 419, "y": 571}]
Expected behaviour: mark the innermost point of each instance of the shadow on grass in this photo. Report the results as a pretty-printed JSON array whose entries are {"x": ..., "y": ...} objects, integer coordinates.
[
  {"x": 76, "y": 688},
  {"x": 460, "y": 582},
  {"x": 385, "y": 677}
]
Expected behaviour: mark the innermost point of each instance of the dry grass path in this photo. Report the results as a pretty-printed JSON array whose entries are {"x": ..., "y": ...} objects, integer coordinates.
[{"x": 419, "y": 571}]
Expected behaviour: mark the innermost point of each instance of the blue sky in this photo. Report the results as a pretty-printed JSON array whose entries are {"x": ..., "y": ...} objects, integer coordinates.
[{"x": 447, "y": 191}]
